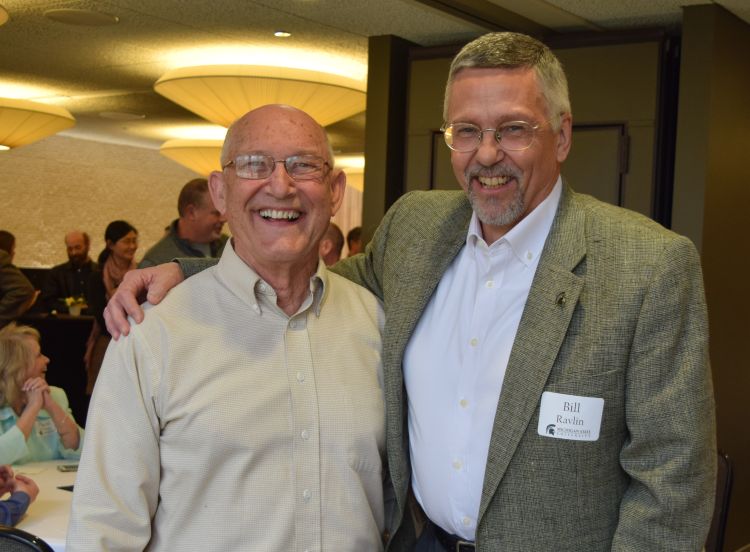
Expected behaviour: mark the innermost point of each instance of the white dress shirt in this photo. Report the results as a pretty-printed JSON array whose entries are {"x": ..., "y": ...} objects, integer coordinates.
[
  {"x": 455, "y": 363},
  {"x": 221, "y": 423}
]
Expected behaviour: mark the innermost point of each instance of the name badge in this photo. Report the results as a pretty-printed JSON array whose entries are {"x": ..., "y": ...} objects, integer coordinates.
[
  {"x": 570, "y": 417},
  {"x": 45, "y": 427}
]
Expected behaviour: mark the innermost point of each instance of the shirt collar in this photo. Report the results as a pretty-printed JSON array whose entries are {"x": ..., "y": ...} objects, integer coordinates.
[
  {"x": 526, "y": 239},
  {"x": 249, "y": 286}
]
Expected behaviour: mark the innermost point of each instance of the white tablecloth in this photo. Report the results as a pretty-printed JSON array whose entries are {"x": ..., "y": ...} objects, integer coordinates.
[{"x": 47, "y": 517}]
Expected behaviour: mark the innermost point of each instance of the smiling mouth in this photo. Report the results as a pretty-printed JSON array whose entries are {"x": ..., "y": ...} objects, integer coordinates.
[
  {"x": 493, "y": 181},
  {"x": 276, "y": 214}
]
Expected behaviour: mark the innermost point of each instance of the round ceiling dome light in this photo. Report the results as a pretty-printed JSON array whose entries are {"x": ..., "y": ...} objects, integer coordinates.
[
  {"x": 121, "y": 115},
  {"x": 87, "y": 18},
  {"x": 3, "y": 16}
]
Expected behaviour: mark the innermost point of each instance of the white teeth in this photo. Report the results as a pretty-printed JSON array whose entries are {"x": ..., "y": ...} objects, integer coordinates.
[
  {"x": 279, "y": 215},
  {"x": 492, "y": 181}
]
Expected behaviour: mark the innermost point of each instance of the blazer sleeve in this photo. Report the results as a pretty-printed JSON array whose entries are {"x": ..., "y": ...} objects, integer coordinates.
[
  {"x": 191, "y": 266},
  {"x": 670, "y": 455}
]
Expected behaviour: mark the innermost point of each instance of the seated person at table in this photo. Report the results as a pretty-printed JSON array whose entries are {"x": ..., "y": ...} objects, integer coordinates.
[
  {"x": 22, "y": 491},
  {"x": 35, "y": 421}
]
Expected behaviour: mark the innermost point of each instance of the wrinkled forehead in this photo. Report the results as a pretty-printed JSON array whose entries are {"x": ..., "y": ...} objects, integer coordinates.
[{"x": 278, "y": 132}]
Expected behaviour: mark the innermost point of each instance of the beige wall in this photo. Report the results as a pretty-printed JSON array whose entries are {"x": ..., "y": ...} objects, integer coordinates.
[
  {"x": 61, "y": 183},
  {"x": 712, "y": 194}
]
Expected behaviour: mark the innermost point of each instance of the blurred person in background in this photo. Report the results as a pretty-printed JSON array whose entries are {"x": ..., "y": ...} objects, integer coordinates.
[
  {"x": 197, "y": 233},
  {"x": 17, "y": 294},
  {"x": 71, "y": 279},
  {"x": 354, "y": 241},
  {"x": 115, "y": 260},
  {"x": 23, "y": 491},
  {"x": 331, "y": 245},
  {"x": 35, "y": 420}
]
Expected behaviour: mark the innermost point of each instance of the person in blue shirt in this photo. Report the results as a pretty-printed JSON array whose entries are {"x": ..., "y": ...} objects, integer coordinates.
[
  {"x": 35, "y": 420},
  {"x": 22, "y": 491}
]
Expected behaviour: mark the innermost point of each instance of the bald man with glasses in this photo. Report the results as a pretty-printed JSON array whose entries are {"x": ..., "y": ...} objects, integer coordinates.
[{"x": 242, "y": 414}]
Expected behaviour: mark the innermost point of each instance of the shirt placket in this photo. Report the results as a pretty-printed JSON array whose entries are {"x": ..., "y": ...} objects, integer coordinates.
[{"x": 306, "y": 435}]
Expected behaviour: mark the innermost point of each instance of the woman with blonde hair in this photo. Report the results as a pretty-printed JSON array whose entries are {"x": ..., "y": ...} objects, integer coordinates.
[{"x": 35, "y": 420}]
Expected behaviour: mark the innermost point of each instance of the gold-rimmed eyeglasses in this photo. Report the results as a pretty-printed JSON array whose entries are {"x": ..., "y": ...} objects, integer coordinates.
[{"x": 510, "y": 136}]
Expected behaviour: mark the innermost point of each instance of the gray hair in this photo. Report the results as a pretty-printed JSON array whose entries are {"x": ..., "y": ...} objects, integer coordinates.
[{"x": 512, "y": 51}]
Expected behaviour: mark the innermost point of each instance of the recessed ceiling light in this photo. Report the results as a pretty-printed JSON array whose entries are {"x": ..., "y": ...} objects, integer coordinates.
[
  {"x": 81, "y": 17},
  {"x": 3, "y": 15},
  {"x": 282, "y": 34},
  {"x": 4, "y": 148},
  {"x": 121, "y": 116}
]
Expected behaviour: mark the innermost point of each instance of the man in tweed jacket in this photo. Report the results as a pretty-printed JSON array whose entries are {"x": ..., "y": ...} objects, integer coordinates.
[{"x": 601, "y": 433}]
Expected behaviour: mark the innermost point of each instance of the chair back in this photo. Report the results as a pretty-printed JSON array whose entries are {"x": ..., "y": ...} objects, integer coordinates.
[
  {"x": 13, "y": 539},
  {"x": 724, "y": 479}
]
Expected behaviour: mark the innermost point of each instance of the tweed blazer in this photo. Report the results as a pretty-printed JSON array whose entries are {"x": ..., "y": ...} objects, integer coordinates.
[{"x": 616, "y": 311}]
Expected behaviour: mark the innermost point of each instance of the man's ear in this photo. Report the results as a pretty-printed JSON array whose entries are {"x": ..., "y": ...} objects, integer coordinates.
[
  {"x": 338, "y": 186},
  {"x": 325, "y": 247},
  {"x": 564, "y": 137},
  {"x": 217, "y": 189}
]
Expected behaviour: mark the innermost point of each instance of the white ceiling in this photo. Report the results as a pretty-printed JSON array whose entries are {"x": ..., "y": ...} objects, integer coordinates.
[{"x": 97, "y": 69}]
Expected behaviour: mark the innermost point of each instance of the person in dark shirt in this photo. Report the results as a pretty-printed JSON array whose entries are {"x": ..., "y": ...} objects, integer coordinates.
[
  {"x": 17, "y": 294},
  {"x": 71, "y": 279}
]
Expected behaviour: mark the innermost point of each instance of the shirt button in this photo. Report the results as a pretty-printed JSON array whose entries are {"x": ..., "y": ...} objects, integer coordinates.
[
  {"x": 457, "y": 464},
  {"x": 293, "y": 324},
  {"x": 474, "y": 342},
  {"x": 464, "y": 403},
  {"x": 489, "y": 284},
  {"x": 529, "y": 255},
  {"x": 300, "y": 377},
  {"x": 262, "y": 287},
  {"x": 466, "y": 521},
  {"x": 306, "y": 495},
  {"x": 305, "y": 434}
]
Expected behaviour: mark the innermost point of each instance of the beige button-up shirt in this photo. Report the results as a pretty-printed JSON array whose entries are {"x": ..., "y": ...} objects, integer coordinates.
[{"x": 221, "y": 423}]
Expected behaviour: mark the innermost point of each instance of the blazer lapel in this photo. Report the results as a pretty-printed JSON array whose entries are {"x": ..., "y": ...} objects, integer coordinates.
[
  {"x": 546, "y": 316},
  {"x": 412, "y": 291}
]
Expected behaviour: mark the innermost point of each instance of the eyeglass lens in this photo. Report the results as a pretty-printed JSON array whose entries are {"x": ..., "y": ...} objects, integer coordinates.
[
  {"x": 299, "y": 167},
  {"x": 513, "y": 136}
]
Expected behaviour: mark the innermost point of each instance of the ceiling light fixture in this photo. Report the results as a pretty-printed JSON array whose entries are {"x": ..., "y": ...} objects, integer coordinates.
[
  {"x": 223, "y": 93},
  {"x": 200, "y": 156},
  {"x": 23, "y": 122},
  {"x": 87, "y": 18},
  {"x": 282, "y": 34},
  {"x": 3, "y": 16}
]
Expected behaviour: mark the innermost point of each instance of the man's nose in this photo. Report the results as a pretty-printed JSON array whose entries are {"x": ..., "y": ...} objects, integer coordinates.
[
  {"x": 280, "y": 183},
  {"x": 489, "y": 151}
]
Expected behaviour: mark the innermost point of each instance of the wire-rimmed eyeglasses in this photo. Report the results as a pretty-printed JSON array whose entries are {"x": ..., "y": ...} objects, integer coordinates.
[
  {"x": 259, "y": 167},
  {"x": 510, "y": 136}
]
